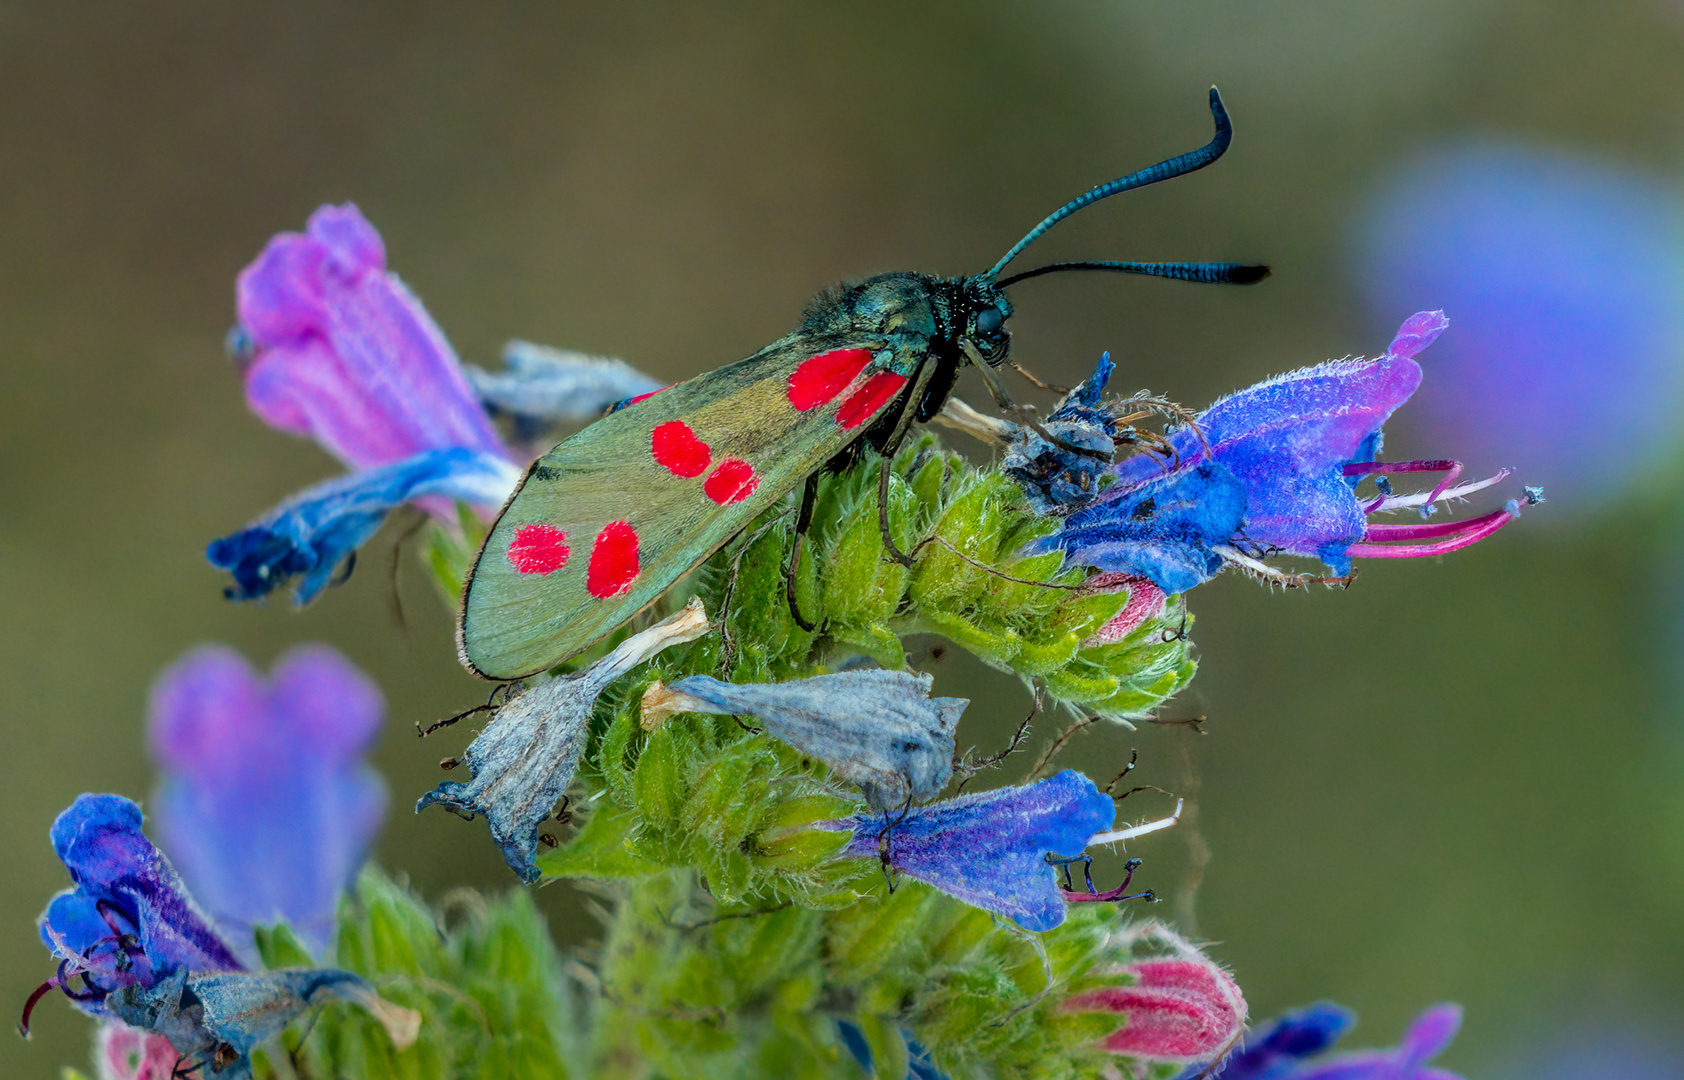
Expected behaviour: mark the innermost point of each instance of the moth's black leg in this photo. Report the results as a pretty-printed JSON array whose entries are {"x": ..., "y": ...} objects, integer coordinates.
[{"x": 803, "y": 519}]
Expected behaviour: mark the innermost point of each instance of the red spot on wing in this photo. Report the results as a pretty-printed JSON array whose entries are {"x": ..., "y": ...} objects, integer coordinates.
[
  {"x": 864, "y": 403},
  {"x": 676, "y": 447},
  {"x": 629, "y": 402},
  {"x": 538, "y": 549},
  {"x": 820, "y": 378},
  {"x": 613, "y": 560},
  {"x": 733, "y": 481}
]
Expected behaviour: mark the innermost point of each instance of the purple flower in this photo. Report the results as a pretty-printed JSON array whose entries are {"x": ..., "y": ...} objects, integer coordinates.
[
  {"x": 990, "y": 848},
  {"x": 266, "y": 802},
  {"x": 128, "y": 920},
  {"x": 1272, "y": 470},
  {"x": 336, "y": 349},
  {"x": 1280, "y": 1051},
  {"x": 1567, "y": 278},
  {"x": 311, "y": 534}
]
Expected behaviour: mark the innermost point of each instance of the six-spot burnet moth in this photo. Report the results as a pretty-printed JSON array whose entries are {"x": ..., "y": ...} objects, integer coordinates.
[{"x": 604, "y": 523}]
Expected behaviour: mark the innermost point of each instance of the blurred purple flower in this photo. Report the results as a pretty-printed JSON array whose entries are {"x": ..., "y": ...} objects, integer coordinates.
[
  {"x": 311, "y": 534},
  {"x": 336, "y": 349},
  {"x": 1271, "y": 470},
  {"x": 990, "y": 848},
  {"x": 129, "y": 920},
  {"x": 266, "y": 801},
  {"x": 1280, "y": 1051},
  {"x": 1567, "y": 279}
]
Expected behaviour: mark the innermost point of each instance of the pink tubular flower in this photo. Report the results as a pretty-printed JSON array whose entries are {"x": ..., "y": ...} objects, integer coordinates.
[
  {"x": 1181, "y": 1008},
  {"x": 126, "y": 1053},
  {"x": 336, "y": 349}
]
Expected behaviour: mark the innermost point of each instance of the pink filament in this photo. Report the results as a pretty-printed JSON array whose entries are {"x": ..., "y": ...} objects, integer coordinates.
[{"x": 1456, "y": 535}]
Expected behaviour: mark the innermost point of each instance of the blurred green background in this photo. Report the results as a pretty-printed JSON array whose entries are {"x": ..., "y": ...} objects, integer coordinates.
[{"x": 1461, "y": 779}]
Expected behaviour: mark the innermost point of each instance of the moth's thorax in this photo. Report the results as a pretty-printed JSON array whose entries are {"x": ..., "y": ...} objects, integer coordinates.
[{"x": 940, "y": 312}]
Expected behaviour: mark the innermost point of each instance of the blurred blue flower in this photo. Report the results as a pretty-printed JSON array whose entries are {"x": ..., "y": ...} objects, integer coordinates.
[
  {"x": 1281, "y": 1050},
  {"x": 1273, "y": 469},
  {"x": 128, "y": 920},
  {"x": 267, "y": 804},
  {"x": 311, "y": 534},
  {"x": 1566, "y": 276},
  {"x": 990, "y": 848}
]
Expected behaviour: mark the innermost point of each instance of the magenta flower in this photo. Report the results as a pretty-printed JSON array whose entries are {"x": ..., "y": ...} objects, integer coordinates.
[
  {"x": 1273, "y": 470},
  {"x": 1178, "y": 1008},
  {"x": 267, "y": 804},
  {"x": 336, "y": 349}
]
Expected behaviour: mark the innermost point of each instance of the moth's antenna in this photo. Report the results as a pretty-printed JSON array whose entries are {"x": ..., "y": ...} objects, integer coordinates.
[
  {"x": 1205, "y": 273},
  {"x": 1191, "y": 161}
]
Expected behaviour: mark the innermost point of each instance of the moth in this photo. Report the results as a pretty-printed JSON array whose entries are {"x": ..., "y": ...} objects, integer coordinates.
[
  {"x": 605, "y": 522},
  {"x": 880, "y": 730}
]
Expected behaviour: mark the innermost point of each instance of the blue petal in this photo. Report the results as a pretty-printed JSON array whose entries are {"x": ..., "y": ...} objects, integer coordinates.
[
  {"x": 989, "y": 849},
  {"x": 311, "y": 533},
  {"x": 1162, "y": 529},
  {"x": 1274, "y": 1052},
  {"x": 539, "y": 386}
]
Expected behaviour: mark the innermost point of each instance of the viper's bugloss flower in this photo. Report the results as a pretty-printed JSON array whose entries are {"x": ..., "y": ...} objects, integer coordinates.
[
  {"x": 267, "y": 805},
  {"x": 335, "y": 348},
  {"x": 1054, "y": 476},
  {"x": 1176, "y": 1008},
  {"x": 524, "y": 759},
  {"x": 540, "y": 386},
  {"x": 991, "y": 848},
  {"x": 1566, "y": 274},
  {"x": 1282, "y": 1050},
  {"x": 129, "y": 920},
  {"x": 315, "y": 531},
  {"x": 879, "y": 729},
  {"x": 1273, "y": 469},
  {"x": 218, "y": 1018}
]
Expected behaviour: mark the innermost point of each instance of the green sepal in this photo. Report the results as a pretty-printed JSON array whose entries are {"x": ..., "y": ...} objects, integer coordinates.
[
  {"x": 600, "y": 849},
  {"x": 279, "y": 947}
]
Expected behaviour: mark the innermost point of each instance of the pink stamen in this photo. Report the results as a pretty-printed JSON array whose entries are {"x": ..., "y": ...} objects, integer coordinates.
[
  {"x": 29, "y": 1006},
  {"x": 1457, "y": 535}
]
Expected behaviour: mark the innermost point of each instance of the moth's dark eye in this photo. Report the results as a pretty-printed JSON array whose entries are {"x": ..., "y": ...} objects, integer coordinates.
[{"x": 989, "y": 320}]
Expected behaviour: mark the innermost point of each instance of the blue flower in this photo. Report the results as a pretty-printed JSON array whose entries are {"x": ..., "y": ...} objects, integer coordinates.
[
  {"x": 1054, "y": 476},
  {"x": 312, "y": 533},
  {"x": 1281, "y": 1050},
  {"x": 990, "y": 848},
  {"x": 1566, "y": 274},
  {"x": 267, "y": 805},
  {"x": 1273, "y": 469},
  {"x": 540, "y": 386},
  {"x": 128, "y": 920},
  {"x": 879, "y": 729},
  {"x": 523, "y": 761}
]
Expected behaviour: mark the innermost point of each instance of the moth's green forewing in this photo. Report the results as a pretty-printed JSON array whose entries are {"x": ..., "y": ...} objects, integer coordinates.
[{"x": 514, "y": 624}]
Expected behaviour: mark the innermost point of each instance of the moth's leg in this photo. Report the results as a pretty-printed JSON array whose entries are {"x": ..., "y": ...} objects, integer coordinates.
[
  {"x": 891, "y": 446},
  {"x": 1027, "y": 374},
  {"x": 803, "y": 519}
]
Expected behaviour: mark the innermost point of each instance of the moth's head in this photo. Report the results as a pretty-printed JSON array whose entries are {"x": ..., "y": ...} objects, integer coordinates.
[{"x": 980, "y": 317}]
